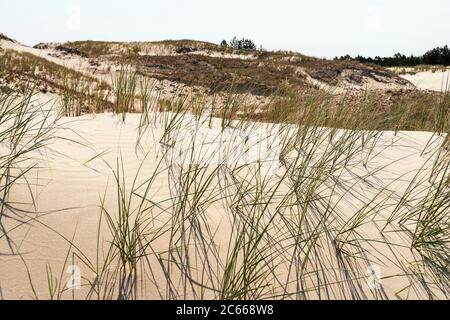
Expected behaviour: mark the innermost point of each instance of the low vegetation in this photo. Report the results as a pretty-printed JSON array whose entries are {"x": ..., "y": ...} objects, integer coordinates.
[
  {"x": 25, "y": 130},
  {"x": 242, "y": 44},
  {"x": 392, "y": 110},
  {"x": 79, "y": 93},
  {"x": 216, "y": 67},
  {"x": 23, "y": 65}
]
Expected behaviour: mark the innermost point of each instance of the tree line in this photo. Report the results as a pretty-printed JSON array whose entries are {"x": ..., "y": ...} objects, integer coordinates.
[
  {"x": 436, "y": 56},
  {"x": 241, "y": 44}
]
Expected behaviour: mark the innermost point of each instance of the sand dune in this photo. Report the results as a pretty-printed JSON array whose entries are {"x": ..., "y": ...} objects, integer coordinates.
[
  {"x": 307, "y": 212},
  {"x": 428, "y": 80},
  {"x": 77, "y": 172},
  {"x": 74, "y": 62}
]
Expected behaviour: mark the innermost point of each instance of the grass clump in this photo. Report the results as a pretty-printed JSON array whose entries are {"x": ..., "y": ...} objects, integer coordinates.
[
  {"x": 125, "y": 89},
  {"x": 25, "y": 130}
]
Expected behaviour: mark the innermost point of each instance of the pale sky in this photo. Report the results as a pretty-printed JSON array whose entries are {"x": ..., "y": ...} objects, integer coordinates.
[{"x": 323, "y": 28}]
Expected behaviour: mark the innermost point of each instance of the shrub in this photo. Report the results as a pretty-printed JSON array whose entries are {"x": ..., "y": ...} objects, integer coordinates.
[{"x": 243, "y": 44}]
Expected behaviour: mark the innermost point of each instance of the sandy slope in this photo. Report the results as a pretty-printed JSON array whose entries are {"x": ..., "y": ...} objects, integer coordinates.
[
  {"x": 77, "y": 172},
  {"x": 428, "y": 80},
  {"x": 102, "y": 70},
  {"x": 105, "y": 70},
  {"x": 69, "y": 61}
]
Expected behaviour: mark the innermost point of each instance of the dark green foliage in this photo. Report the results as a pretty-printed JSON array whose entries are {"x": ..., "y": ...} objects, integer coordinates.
[
  {"x": 436, "y": 56},
  {"x": 243, "y": 44}
]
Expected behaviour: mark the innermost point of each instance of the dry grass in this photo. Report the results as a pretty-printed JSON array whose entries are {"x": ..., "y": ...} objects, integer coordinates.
[
  {"x": 404, "y": 110},
  {"x": 290, "y": 238},
  {"x": 22, "y": 64},
  {"x": 419, "y": 68},
  {"x": 265, "y": 73},
  {"x": 79, "y": 93}
]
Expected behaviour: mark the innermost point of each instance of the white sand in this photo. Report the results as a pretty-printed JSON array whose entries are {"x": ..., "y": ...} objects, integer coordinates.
[
  {"x": 345, "y": 85},
  {"x": 428, "y": 80}
]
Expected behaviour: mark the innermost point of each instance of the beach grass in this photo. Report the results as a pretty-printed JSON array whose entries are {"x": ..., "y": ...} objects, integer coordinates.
[{"x": 296, "y": 188}]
